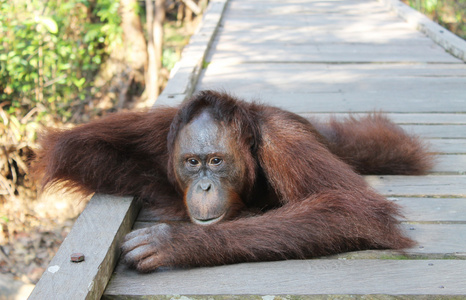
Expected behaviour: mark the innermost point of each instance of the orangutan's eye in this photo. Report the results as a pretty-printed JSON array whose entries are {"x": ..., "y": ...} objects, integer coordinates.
[
  {"x": 216, "y": 161},
  {"x": 193, "y": 162}
]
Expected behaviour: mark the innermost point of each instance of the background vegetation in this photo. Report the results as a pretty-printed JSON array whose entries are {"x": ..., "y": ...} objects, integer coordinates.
[
  {"x": 451, "y": 14},
  {"x": 64, "y": 62}
]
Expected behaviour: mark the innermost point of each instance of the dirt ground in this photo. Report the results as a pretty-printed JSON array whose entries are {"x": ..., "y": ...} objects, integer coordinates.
[{"x": 30, "y": 234}]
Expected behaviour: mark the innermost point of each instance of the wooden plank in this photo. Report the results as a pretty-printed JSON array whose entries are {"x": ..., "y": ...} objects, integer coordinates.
[
  {"x": 450, "y": 164},
  {"x": 305, "y": 26},
  {"x": 97, "y": 234},
  {"x": 315, "y": 19},
  {"x": 434, "y": 210},
  {"x": 313, "y": 78},
  {"x": 240, "y": 17},
  {"x": 400, "y": 118},
  {"x": 298, "y": 277},
  {"x": 350, "y": 88},
  {"x": 287, "y": 77},
  {"x": 302, "y": 7},
  {"x": 301, "y": 75},
  {"x": 236, "y": 53},
  {"x": 377, "y": 98},
  {"x": 314, "y": 34},
  {"x": 312, "y": 22},
  {"x": 281, "y": 15},
  {"x": 437, "y": 240},
  {"x": 437, "y": 131},
  {"x": 418, "y": 186},
  {"x": 454, "y": 146}
]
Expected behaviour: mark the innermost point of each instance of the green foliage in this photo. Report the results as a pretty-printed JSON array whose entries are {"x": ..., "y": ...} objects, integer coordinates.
[
  {"x": 50, "y": 51},
  {"x": 175, "y": 38},
  {"x": 169, "y": 58},
  {"x": 448, "y": 13}
]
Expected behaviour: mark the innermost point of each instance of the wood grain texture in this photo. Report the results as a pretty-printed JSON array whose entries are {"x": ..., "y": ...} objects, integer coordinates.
[
  {"x": 299, "y": 277},
  {"x": 437, "y": 131},
  {"x": 456, "y": 146},
  {"x": 305, "y": 88},
  {"x": 433, "y": 210},
  {"x": 437, "y": 240},
  {"x": 450, "y": 164},
  {"x": 97, "y": 234},
  {"x": 449, "y": 41},
  {"x": 401, "y": 118},
  {"x": 335, "y": 53},
  {"x": 419, "y": 186}
]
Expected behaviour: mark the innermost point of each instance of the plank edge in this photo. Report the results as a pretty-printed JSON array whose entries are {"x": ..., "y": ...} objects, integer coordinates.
[
  {"x": 186, "y": 74},
  {"x": 103, "y": 268}
]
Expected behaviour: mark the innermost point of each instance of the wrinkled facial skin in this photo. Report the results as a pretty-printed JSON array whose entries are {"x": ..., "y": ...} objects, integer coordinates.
[{"x": 209, "y": 169}]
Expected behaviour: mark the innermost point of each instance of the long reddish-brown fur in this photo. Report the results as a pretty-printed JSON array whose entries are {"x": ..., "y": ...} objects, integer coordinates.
[{"x": 302, "y": 180}]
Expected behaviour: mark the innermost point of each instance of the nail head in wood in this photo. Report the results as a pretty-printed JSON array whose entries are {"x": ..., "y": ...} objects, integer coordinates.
[{"x": 77, "y": 257}]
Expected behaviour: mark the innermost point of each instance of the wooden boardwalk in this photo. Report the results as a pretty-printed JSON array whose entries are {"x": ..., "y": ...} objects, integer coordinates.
[{"x": 317, "y": 57}]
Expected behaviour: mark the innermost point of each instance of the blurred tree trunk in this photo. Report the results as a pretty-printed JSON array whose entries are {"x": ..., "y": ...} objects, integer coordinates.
[
  {"x": 134, "y": 40},
  {"x": 155, "y": 16},
  {"x": 135, "y": 47}
]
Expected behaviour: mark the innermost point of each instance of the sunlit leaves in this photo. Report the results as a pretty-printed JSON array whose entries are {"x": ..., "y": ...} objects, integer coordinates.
[
  {"x": 448, "y": 13},
  {"x": 48, "y": 23},
  {"x": 49, "y": 50}
]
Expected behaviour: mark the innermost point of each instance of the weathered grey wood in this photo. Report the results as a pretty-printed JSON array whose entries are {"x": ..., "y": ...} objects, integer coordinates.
[
  {"x": 437, "y": 240},
  {"x": 450, "y": 164},
  {"x": 343, "y": 88},
  {"x": 236, "y": 53},
  {"x": 275, "y": 8},
  {"x": 419, "y": 186},
  {"x": 437, "y": 131},
  {"x": 456, "y": 146},
  {"x": 319, "y": 34},
  {"x": 433, "y": 210},
  {"x": 399, "y": 118},
  {"x": 421, "y": 98},
  {"x": 296, "y": 277},
  {"x": 437, "y": 33},
  {"x": 314, "y": 34},
  {"x": 324, "y": 21},
  {"x": 186, "y": 72},
  {"x": 97, "y": 234},
  {"x": 288, "y": 77}
]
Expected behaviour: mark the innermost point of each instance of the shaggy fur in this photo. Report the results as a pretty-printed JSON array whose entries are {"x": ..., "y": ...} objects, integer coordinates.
[{"x": 300, "y": 179}]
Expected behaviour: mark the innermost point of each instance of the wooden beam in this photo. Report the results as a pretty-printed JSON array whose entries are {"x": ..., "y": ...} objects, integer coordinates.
[
  {"x": 97, "y": 234},
  {"x": 297, "y": 278}
]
